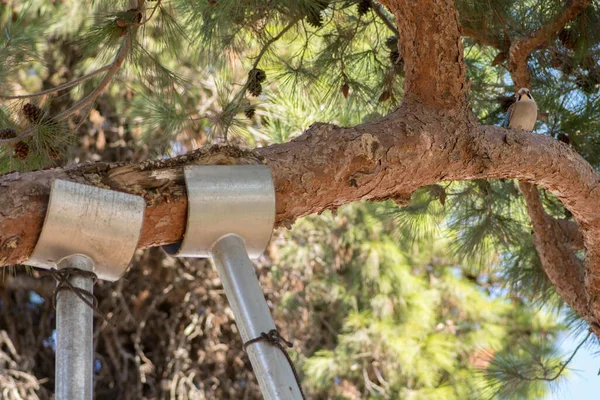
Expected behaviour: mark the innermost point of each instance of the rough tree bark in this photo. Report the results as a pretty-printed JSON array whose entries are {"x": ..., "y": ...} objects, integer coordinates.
[
  {"x": 431, "y": 137},
  {"x": 564, "y": 269},
  {"x": 555, "y": 247}
]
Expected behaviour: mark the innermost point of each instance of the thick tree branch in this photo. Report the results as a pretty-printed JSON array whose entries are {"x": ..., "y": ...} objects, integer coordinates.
[
  {"x": 563, "y": 268},
  {"x": 326, "y": 167},
  {"x": 430, "y": 138},
  {"x": 430, "y": 44},
  {"x": 579, "y": 285},
  {"x": 570, "y": 231},
  {"x": 520, "y": 49}
]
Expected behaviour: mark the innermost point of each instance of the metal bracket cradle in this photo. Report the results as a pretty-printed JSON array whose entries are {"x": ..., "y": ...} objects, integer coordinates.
[
  {"x": 231, "y": 212},
  {"x": 90, "y": 229}
]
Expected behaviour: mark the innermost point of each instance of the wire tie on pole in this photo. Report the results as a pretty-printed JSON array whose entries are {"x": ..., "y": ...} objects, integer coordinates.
[
  {"x": 277, "y": 340},
  {"x": 63, "y": 276}
]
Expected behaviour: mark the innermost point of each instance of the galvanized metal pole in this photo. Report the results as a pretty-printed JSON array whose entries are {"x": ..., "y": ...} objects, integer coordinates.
[
  {"x": 74, "y": 336},
  {"x": 93, "y": 230},
  {"x": 252, "y": 316},
  {"x": 231, "y": 211}
]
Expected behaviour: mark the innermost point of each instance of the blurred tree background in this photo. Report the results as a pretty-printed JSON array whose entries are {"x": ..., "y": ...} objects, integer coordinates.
[{"x": 439, "y": 297}]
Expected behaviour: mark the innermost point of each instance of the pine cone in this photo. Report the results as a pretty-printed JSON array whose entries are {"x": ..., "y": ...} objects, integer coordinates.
[
  {"x": 257, "y": 75},
  {"x": 254, "y": 88},
  {"x": 313, "y": 12},
  {"x": 249, "y": 113},
  {"x": 21, "y": 150},
  {"x": 314, "y": 19},
  {"x": 385, "y": 96},
  {"x": 438, "y": 192},
  {"x": 7, "y": 133},
  {"x": 345, "y": 90},
  {"x": 363, "y": 7},
  {"x": 53, "y": 154},
  {"x": 33, "y": 113}
]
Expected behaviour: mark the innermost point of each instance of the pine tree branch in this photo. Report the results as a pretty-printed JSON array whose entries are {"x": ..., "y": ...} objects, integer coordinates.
[
  {"x": 568, "y": 361},
  {"x": 266, "y": 46},
  {"x": 482, "y": 38},
  {"x": 90, "y": 98},
  {"x": 58, "y": 88},
  {"x": 561, "y": 265},
  {"x": 382, "y": 14},
  {"x": 560, "y": 370},
  {"x": 274, "y": 39},
  {"x": 551, "y": 29},
  {"x": 570, "y": 278},
  {"x": 521, "y": 48},
  {"x": 325, "y": 168}
]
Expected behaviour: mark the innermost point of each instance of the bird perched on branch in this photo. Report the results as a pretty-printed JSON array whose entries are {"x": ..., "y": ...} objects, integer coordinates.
[{"x": 522, "y": 114}]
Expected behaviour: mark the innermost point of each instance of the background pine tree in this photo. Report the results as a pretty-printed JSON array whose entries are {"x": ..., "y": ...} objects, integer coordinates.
[{"x": 441, "y": 297}]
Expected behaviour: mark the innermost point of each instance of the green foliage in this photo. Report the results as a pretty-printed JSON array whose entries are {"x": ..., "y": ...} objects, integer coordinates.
[
  {"x": 343, "y": 58},
  {"x": 20, "y": 39},
  {"x": 406, "y": 323},
  {"x": 432, "y": 300},
  {"x": 520, "y": 372}
]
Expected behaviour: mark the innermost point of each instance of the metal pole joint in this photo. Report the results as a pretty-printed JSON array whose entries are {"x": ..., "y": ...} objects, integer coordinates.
[{"x": 231, "y": 212}]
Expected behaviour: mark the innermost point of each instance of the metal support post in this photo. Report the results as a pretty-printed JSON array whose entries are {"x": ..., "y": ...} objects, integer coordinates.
[
  {"x": 252, "y": 316},
  {"x": 231, "y": 212},
  {"x": 74, "y": 335},
  {"x": 87, "y": 229}
]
